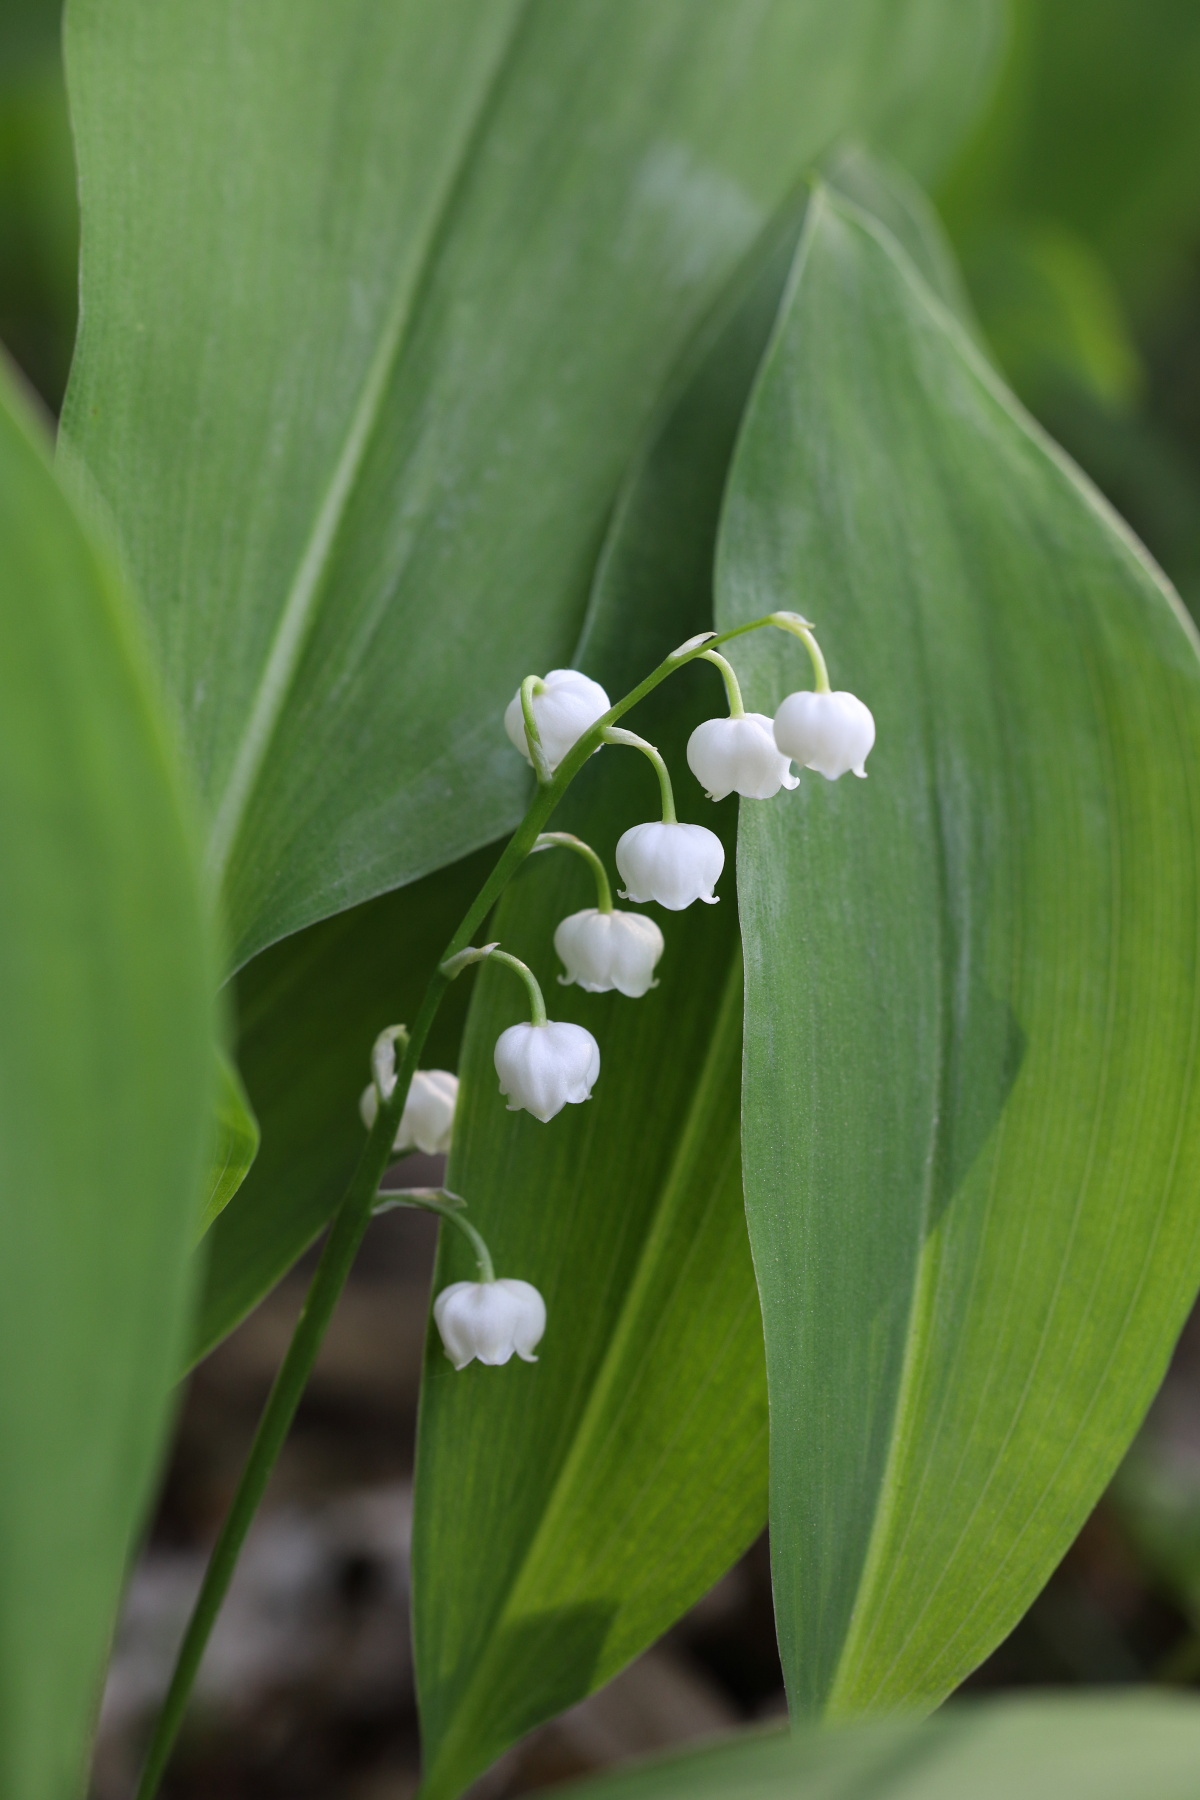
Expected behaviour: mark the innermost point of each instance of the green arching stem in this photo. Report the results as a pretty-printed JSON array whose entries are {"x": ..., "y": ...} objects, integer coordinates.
[
  {"x": 533, "y": 684},
  {"x": 802, "y": 629},
  {"x": 566, "y": 840},
  {"x": 455, "y": 965},
  {"x": 354, "y": 1211},
  {"x": 446, "y": 1206},
  {"x": 614, "y": 736},
  {"x": 729, "y": 676}
]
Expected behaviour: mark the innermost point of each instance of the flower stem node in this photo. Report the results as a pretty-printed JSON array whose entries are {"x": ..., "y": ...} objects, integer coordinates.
[
  {"x": 832, "y": 733},
  {"x": 490, "y": 1321},
  {"x": 605, "y": 950},
  {"x": 564, "y": 703},
  {"x": 739, "y": 756},
  {"x": 671, "y": 863},
  {"x": 544, "y": 1067},
  {"x": 427, "y": 1122}
]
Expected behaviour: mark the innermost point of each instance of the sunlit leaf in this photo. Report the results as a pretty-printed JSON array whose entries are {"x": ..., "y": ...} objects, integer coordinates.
[
  {"x": 971, "y": 1128},
  {"x": 235, "y": 1137},
  {"x": 106, "y": 978},
  {"x": 376, "y": 301}
]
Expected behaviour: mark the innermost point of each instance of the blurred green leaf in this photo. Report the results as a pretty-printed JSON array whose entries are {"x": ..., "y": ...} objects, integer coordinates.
[
  {"x": 309, "y": 1011},
  {"x": 971, "y": 1123},
  {"x": 409, "y": 279},
  {"x": 106, "y": 978},
  {"x": 235, "y": 1144},
  {"x": 1096, "y": 1747},
  {"x": 567, "y": 1514}
]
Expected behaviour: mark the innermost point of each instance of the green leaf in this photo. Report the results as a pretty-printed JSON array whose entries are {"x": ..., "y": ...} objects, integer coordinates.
[
  {"x": 971, "y": 1118},
  {"x": 408, "y": 279},
  {"x": 235, "y": 1144},
  {"x": 1108, "y": 1746},
  {"x": 309, "y": 1010},
  {"x": 106, "y": 981},
  {"x": 567, "y": 1514}
]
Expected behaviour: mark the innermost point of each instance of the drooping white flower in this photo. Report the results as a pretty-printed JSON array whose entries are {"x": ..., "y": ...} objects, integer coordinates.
[
  {"x": 568, "y": 703},
  {"x": 605, "y": 950},
  {"x": 831, "y": 733},
  {"x": 427, "y": 1122},
  {"x": 671, "y": 863},
  {"x": 491, "y": 1320},
  {"x": 738, "y": 756},
  {"x": 543, "y": 1068}
]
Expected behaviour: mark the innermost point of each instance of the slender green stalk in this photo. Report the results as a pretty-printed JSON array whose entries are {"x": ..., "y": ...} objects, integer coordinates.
[
  {"x": 354, "y": 1212},
  {"x": 733, "y": 691},
  {"x": 533, "y": 684},
  {"x": 455, "y": 965},
  {"x": 447, "y": 1206},
  {"x": 566, "y": 840},
  {"x": 631, "y": 740}
]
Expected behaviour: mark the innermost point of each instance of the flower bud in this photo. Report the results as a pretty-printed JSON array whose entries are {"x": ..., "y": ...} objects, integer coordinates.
[
  {"x": 568, "y": 703},
  {"x": 427, "y": 1121},
  {"x": 738, "y": 756},
  {"x": 673, "y": 864},
  {"x": 827, "y": 732},
  {"x": 490, "y": 1320},
  {"x": 543, "y": 1068},
  {"x": 605, "y": 950}
]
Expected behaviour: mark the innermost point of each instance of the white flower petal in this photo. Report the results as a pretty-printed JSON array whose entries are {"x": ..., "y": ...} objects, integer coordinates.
[
  {"x": 738, "y": 756},
  {"x": 601, "y": 951},
  {"x": 543, "y": 1068},
  {"x": 427, "y": 1122},
  {"x": 568, "y": 704},
  {"x": 832, "y": 733},
  {"x": 673, "y": 864}
]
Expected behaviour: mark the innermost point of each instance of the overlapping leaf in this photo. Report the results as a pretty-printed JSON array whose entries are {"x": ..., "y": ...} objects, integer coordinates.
[
  {"x": 376, "y": 299},
  {"x": 971, "y": 1126},
  {"x": 106, "y": 1067},
  {"x": 1110, "y": 1747},
  {"x": 567, "y": 1513}
]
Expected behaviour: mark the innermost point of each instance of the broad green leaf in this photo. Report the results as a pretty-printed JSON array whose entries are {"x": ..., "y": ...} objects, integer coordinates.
[
  {"x": 567, "y": 1514},
  {"x": 235, "y": 1139},
  {"x": 1109, "y": 1746},
  {"x": 309, "y": 1010},
  {"x": 970, "y": 1125},
  {"x": 376, "y": 302},
  {"x": 106, "y": 977}
]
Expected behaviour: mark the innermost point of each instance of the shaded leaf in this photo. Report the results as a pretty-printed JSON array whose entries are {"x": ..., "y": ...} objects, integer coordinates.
[
  {"x": 106, "y": 977},
  {"x": 567, "y": 1514},
  {"x": 970, "y": 1123},
  {"x": 408, "y": 281},
  {"x": 235, "y": 1144},
  {"x": 1095, "y": 1747}
]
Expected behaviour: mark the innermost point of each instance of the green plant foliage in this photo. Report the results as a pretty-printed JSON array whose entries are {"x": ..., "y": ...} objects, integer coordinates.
[
  {"x": 235, "y": 1144},
  {"x": 106, "y": 976},
  {"x": 309, "y": 1011},
  {"x": 409, "y": 279},
  {"x": 566, "y": 1515},
  {"x": 970, "y": 1126},
  {"x": 1098, "y": 1747}
]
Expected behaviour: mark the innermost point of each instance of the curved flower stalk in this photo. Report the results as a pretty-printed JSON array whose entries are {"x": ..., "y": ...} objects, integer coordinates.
[
  {"x": 600, "y": 948},
  {"x": 737, "y": 755},
  {"x": 542, "y": 1066}
]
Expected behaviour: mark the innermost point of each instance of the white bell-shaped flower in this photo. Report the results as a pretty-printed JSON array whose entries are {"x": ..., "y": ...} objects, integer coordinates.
[
  {"x": 543, "y": 1068},
  {"x": 568, "y": 703},
  {"x": 738, "y": 756},
  {"x": 491, "y": 1320},
  {"x": 605, "y": 950},
  {"x": 832, "y": 733},
  {"x": 671, "y": 863},
  {"x": 427, "y": 1122}
]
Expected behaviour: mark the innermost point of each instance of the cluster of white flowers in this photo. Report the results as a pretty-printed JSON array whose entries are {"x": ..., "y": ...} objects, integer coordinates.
[{"x": 548, "y": 1064}]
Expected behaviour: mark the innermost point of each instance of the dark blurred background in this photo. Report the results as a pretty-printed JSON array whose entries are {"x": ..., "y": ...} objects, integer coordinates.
[{"x": 1076, "y": 210}]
